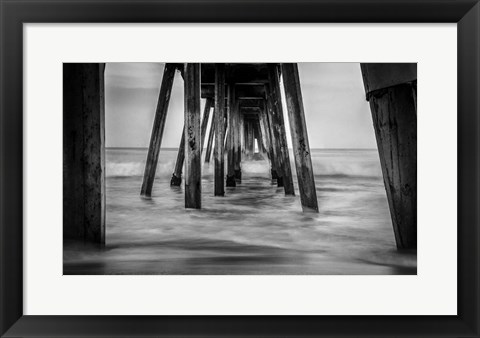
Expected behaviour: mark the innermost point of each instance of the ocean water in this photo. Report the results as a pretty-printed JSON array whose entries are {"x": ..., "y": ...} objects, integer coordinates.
[{"x": 253, "y": 229}]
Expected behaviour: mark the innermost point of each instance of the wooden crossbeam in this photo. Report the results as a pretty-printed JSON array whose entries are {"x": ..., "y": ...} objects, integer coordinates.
[
  {"x": 236, "y": 73},
  {"x": 242, "y": 92}
]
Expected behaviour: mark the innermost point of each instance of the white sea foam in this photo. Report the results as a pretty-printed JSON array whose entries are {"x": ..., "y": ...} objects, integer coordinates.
[
  {"x": 324, "y": 163},
  {"x": 126, "y": 169},
  {"x": 254, "y": 229}
]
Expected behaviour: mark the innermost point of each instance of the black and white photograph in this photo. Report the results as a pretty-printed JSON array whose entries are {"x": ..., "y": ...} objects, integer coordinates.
[{"x": 239, "y": 168}]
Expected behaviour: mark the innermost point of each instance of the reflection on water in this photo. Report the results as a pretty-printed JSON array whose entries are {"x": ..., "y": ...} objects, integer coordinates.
[{"x": 254, "y": 229}]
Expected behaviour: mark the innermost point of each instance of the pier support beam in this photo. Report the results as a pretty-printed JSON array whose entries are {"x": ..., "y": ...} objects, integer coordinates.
[
  {"x": 193, "y": 142},
  {"x": 248, "y": 145},
  {"x": 237, "y": 143},
  {"x": 391, "y": 91},
  {"x": 278, "y": 174},
  {"x": 231, "y": 137},
  {"x": 84, "y": 152},
  {"x": 211, "y": 133},
  {"x": 177, "y": 172},
  {"x": 300, "y": 143},
  {"x": 260, "y": 140},
  {"x": 219, "y": 126},
  {"x": 206, "y": 117},
  {"x": 251, "y": 138},
  {"x": 265, "y": 136},
  {"x": 273, "y": 160},
  {"x": 278, "y": 127},
  {"x": 242, "y": 134},
  {"x": 157, "y": 131}
]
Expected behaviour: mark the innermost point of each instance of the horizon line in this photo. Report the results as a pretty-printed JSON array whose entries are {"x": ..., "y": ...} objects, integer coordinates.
[{"x": 205, "y": 148}]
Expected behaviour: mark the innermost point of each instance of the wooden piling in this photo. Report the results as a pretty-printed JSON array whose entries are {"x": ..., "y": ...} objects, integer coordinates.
[
  {"x": 300, "y": 143},
  {"x": 225, "y": 141},
  {"x": 205, "y": 119},
  {"x": 255, "y": 138},
  {"x": 275, "y": 143},
  {"x": 269, "y": 131},
  {"x": 157, "y": 131},
  {"x": 193, "y": 142},
  {"x": 247, "y": 144},
  {"x": 264, "y": 133},
  {"x": 225, "y": 127},
  {"x": 250, "y": 139},
  {"x": 278, "y": 127},
  {"x": 208, "y": 151},
  {"x": 84, "y": 152},
  {"x": 242, "y": 134},
  {"x": 393, "y": 106},
  {"x": 231, "y": 137},
  {"x": 237, "y": 143},
  {"x": 219, "y": 126},
  {"x": 260, "y": 138},
  {"x": 177, "y": 172},
  {"x": 414, "y": 93}
]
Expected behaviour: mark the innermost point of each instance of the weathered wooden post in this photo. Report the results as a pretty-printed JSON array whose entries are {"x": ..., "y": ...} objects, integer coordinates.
[
  {"x": 84, "y": 152},
  {"x": 177, "y": 172},
  {"x": 255, "y": 137},
  {"x": 237, "y": 143},
  {"x": 414, "y": 90},
  {"x": 391, "y": 91},
  {"x": 231, "y": 137},
  {"x": 242, "y": 134},
  {"x": 267, "y": 110},
  {"x": 265, "y": 134},
  {"x": 260, "y": 139},
  {"x": 208, "y": 151},
  {"x": 157, "y": 131},
  {"x": 300, "y": 143},
  {"x": 250, "y": 139},
  {"x": 205, "y": 119},
  {"x": 247, "y": 144},
  {"x": 225, "y": 127},
  {"x": 273, "y": 135},
  {"x": 278, "y": 127},
  {"x": 193, "y": 142},
  {"x": 219, "y": 126},
  {"x": 227, "y": 135}
]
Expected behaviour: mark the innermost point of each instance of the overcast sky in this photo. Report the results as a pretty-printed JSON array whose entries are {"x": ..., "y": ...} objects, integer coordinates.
[{"x": 333, "y": 95}]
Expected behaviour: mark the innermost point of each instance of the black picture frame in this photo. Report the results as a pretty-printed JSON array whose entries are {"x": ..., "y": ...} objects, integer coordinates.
[{"x": 14, "y": 13}]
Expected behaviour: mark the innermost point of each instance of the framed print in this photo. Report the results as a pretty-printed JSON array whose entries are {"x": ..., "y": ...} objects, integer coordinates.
[{"x": 239, "y": 169}]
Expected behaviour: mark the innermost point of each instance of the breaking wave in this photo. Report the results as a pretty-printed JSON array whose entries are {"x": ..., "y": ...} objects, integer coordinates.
[{"x": 358, "y": 163}]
